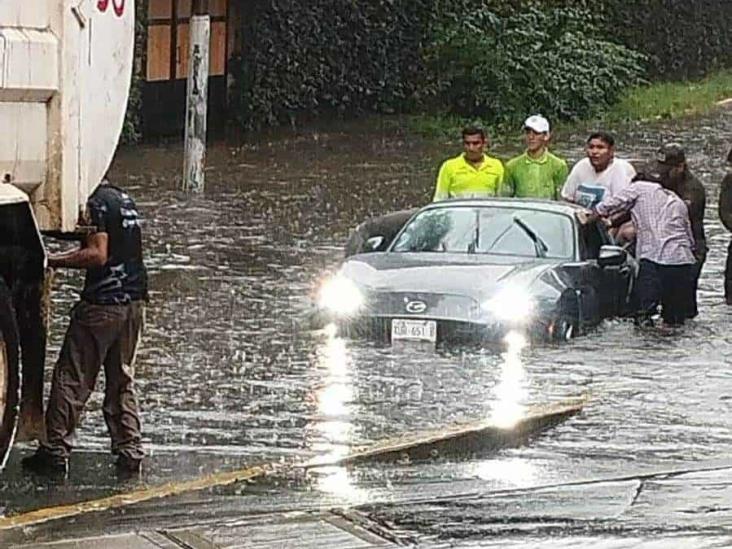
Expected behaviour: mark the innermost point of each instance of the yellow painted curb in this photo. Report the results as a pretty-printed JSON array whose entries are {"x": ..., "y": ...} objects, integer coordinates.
[
  {"x": 137, "y": 496},
  {"x": 537, "y": 419}
]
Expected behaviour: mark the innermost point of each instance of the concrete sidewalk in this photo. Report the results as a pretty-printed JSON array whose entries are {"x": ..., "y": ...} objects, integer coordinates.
[
  {"x": 317, "y": 530},
  {"x": 667, "y": 509}
]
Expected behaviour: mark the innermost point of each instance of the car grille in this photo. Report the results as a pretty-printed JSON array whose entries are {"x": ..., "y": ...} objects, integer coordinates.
[{"x": 396, "y": 304}]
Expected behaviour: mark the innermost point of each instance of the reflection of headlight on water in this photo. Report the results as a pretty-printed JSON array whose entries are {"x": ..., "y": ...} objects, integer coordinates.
[
  {"x": 330, "y": 330},
  {"x": 340, "y": 295},
  {"x": 511, "y": 471},
  {"x": 515, "y": 343},
  {"x": 511, "y": 304},
  {"x": 332, "y": 427},
  {"x": 510, "y": 391}
]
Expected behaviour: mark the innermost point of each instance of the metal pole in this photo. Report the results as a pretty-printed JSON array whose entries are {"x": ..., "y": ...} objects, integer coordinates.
[{"x": 197, "y": 99}]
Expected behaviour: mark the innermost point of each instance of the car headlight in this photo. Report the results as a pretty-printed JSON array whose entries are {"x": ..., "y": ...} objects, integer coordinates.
[
  {"x": 340, "y": 295},
  {"x": 511, "y": 304}
]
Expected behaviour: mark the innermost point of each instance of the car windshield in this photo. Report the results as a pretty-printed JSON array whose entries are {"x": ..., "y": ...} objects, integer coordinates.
[{"x": 489, "y": 230}]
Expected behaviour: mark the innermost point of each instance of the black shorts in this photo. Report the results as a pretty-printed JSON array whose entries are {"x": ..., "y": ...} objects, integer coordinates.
[{"x": 670, "y": 286}]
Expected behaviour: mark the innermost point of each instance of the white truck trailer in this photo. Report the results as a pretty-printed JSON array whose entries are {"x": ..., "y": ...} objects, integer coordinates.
[{"x": 65, "y": 69}]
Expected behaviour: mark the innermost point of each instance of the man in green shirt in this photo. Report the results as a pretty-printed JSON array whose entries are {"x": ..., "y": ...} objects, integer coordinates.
[
  {"x": 536, "y": 173},
  {"x": 473, "y": 173}
]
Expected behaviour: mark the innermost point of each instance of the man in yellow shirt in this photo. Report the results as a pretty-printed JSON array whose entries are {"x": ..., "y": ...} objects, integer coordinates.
[{"x": 473, "y": 173}]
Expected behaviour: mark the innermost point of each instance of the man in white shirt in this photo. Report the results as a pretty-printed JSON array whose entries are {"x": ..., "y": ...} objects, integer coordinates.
[{"x": 599, "y": 176}]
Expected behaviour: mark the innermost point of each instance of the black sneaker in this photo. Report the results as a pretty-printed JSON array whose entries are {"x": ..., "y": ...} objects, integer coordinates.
[
  {"x": 43, "y": 463},
  {"x": 128, "y": 467}
]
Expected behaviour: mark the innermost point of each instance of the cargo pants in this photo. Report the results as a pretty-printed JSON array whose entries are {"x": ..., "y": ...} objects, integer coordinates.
[{"x": 97, "y": 335}]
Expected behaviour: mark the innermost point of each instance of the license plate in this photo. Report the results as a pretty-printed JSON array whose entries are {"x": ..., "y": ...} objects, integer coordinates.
[{"x": 417, "y": 330}]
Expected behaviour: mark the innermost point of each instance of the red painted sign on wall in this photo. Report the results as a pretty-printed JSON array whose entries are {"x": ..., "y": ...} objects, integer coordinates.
[{"x": 117, "y": 5}]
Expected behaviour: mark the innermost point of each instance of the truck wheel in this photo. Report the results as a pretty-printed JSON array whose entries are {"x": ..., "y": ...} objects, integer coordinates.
[{"x": 9, "y": 373}]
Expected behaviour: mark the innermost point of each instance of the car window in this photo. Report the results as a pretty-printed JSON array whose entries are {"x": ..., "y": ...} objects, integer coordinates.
[
  {"x": 489, "y": 230},
  {"x": 593, "y": 237}
]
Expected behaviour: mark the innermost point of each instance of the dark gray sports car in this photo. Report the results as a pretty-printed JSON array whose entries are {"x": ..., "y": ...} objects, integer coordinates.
[{"x": 475, "y": 269}]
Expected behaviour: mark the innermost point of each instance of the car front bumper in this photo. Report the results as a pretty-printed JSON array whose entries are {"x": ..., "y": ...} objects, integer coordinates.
[{"x": 379, "y": 328}]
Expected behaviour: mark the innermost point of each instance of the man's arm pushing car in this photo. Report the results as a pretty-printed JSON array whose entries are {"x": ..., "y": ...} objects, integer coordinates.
[{"x": 94, "y": 252}]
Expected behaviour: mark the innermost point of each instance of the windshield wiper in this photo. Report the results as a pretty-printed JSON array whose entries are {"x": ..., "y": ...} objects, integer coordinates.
[
  {"x": 539, "y": 244},
  {"x": 473, "y": 246}
]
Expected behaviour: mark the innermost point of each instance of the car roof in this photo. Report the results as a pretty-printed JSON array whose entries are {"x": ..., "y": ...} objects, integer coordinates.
[{"x": 546, "y": 205}]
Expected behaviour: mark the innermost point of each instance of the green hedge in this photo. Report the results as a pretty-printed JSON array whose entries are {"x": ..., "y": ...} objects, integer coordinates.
[
  {"x": 332, "y": 57},
  {"x": 683, "y": 38},
  {"x": 132, "y": 128},
  {"x": 328, "y": 56},
  {"x": 303, "y": 60}
]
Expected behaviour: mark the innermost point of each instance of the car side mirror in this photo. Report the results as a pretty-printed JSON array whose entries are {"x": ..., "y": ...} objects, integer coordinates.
[
  {"x": 611, "y": 256},
  {"x": 373, "y": 244}
]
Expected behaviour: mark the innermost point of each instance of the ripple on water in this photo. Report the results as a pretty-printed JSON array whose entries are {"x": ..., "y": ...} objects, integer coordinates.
[{"x": 224, "y": 364}]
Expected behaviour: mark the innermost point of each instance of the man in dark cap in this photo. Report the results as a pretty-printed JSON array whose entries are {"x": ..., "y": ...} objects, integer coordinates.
[
  {"x": 672, "y": 163},
  {"x": 725, "y": 214}
]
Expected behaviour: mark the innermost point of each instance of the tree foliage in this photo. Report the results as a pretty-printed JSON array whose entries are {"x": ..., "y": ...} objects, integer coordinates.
[{"x": 500, "y": 67}]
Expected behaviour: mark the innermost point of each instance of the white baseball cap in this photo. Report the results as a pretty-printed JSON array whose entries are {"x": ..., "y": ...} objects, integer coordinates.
[{"x": 537, "y": 123}]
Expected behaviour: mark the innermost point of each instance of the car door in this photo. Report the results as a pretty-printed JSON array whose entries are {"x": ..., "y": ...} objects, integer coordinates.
[
  {"x": 615, "y": 283},
  {"x": 585, "y": 278}
]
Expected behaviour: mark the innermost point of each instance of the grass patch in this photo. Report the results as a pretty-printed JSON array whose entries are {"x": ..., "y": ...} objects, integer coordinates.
[
  {"x": 657, "y": 101},
  {"x": 668, "y": 100},
  {"x": 447, "y": 127},
  {"x": 442, "y": 126}
]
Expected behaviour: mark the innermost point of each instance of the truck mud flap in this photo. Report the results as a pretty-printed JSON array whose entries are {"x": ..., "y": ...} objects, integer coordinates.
[
  {"x": 32, "y": 306},
  {"x": 9, "y": 373}
]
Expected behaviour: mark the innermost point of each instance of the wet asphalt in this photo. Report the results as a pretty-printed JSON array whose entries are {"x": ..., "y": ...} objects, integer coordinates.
[{"x": 229, "y": 376}]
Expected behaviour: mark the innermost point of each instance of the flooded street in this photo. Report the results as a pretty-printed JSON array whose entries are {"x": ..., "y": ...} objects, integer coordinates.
[{"x": 228, "y": 374}]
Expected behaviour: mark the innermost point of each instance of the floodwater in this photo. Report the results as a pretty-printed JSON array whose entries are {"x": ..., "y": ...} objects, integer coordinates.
[{"x": 228, "y": 374}]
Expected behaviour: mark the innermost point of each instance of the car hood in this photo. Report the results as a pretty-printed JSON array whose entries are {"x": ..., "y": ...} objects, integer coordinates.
[{"x": 478, "y": 276}]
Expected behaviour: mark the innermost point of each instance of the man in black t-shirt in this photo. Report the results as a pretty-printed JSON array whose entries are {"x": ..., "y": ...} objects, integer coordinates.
[
  {"x": 122, "y": 278},
  {"x": 104, "y": 329}
]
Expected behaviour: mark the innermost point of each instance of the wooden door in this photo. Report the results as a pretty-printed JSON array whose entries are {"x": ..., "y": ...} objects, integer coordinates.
[{"x": 167, "y": 64}]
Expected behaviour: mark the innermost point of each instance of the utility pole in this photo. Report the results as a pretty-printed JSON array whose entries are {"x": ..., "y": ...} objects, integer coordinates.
[{"x": 197, "y": 98}]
